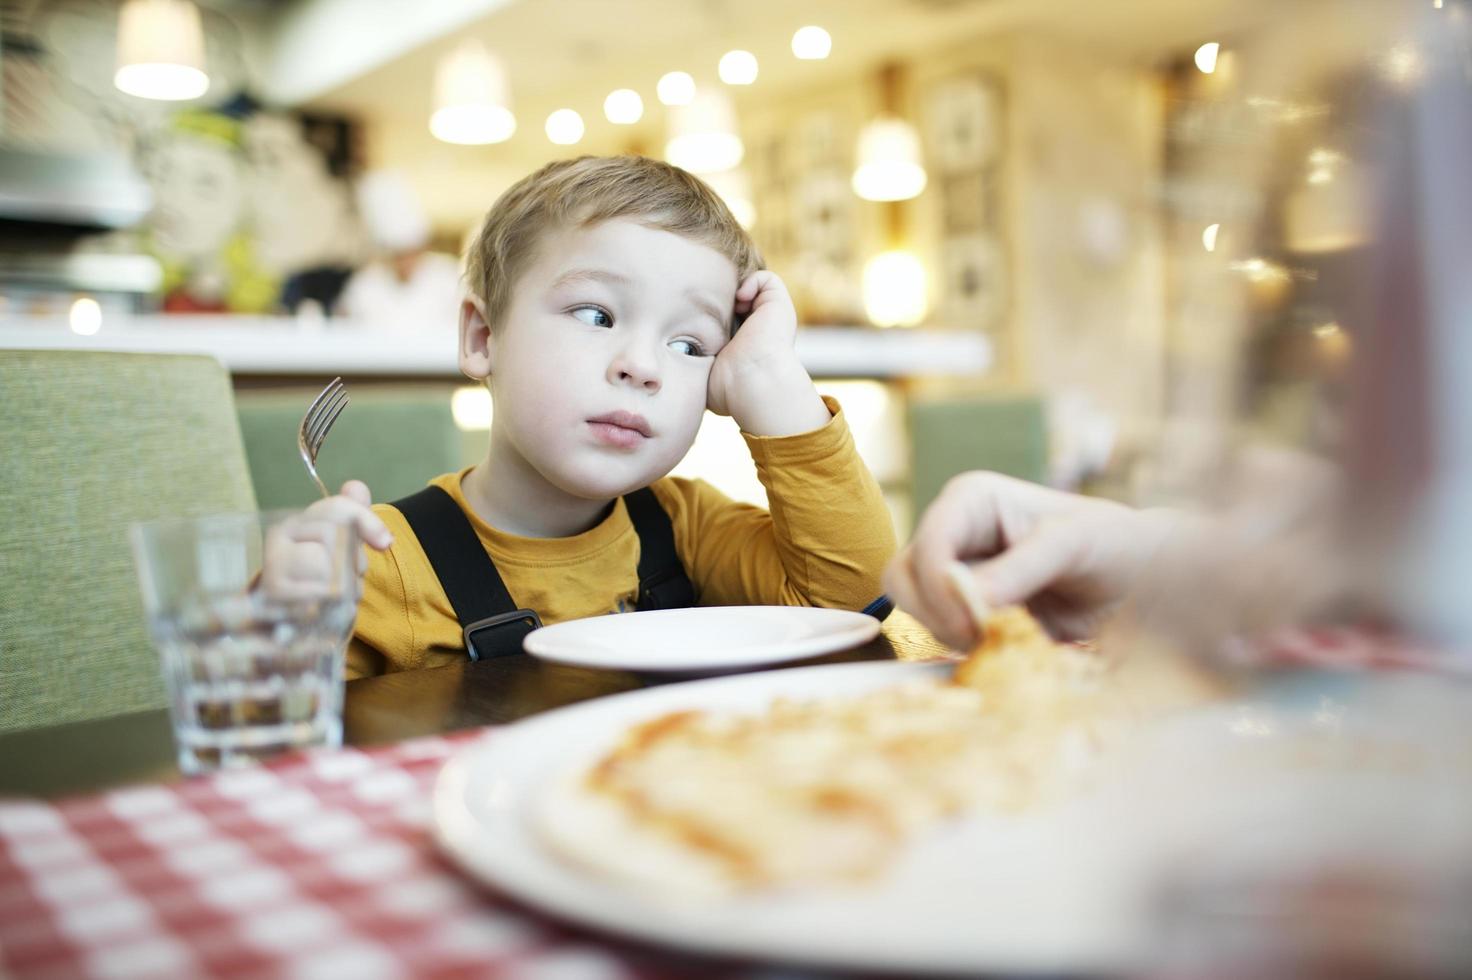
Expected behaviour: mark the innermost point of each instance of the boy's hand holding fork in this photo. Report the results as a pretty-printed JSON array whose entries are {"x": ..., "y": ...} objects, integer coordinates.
[{"x": 297, "y": 563}]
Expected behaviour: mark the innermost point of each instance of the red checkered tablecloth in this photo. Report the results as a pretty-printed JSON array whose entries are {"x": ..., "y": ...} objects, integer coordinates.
[
  {"x": 318, "y": 865},
  {"x": 1342, "y": 648},
  {"x": 321, "y": 865}
]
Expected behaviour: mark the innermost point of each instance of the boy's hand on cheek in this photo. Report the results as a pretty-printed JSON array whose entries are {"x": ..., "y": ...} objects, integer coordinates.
[{"x": 757, "y": 378}]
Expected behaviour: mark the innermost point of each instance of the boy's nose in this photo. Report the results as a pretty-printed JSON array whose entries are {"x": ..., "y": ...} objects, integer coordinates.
[{"x": 634, "y": 365}]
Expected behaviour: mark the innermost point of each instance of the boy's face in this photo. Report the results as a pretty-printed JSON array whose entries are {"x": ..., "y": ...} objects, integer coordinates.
[{"x": 599, "y": 367}]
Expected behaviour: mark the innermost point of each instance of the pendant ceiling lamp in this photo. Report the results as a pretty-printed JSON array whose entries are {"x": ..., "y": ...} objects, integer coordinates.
[
  {"x": 160, "y": 50},
  {"x": 895, "y": 289},
  {"x": 702, "y": 135},
  {"x": 472, "y": 98},
  {"x": 889, "y": 163}
]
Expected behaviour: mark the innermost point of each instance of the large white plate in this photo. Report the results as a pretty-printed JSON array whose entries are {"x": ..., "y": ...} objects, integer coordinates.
[
  {"x": 995, "y": 893},
  {"x": 704, "y": 639}
]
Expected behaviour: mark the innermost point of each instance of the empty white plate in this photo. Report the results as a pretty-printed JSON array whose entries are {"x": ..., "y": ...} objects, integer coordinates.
[{"x": 704, "y": 639}]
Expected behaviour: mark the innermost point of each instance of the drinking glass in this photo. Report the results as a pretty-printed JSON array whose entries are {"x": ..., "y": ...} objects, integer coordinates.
[{"x": 252, "y": 656}]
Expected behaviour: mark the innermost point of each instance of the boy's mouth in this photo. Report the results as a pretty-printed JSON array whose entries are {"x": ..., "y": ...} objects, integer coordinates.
[{"x": 622, "y": 429}]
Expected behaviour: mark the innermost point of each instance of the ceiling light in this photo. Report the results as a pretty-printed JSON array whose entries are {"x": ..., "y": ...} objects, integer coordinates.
[
  {"x": 471, "y": 97},
  {"x": 160, "y": 50},
  {"x": 1208, "y": 237},
  {"x": 738, "y": 67},
  {"x": 564, "y": 127},
  {"x": 889, "y": 162},
  {"x": 1206, "y": 56},
  {"x": 894, "y": 289},
  {"x": 676, "y": 88},
  {"x": 85, "y": 316},
  {"x": 811, "y": 43},
  {"x": 623, "y": 106},
  {"x": 703, "y": 137}
]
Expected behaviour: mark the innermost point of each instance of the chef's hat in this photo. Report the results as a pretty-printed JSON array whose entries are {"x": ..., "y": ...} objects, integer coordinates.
[{"x": 391, "y": 211}]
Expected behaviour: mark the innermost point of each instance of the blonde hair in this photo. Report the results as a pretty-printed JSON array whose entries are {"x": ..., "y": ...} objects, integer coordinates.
[{"x": 589, "y": 190}]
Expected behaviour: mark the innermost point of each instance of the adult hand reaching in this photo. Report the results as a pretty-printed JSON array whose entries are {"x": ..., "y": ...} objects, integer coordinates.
[{"x": 990, "y": 540}]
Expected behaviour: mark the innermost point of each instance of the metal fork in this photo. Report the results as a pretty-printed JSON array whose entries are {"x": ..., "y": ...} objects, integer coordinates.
[{"x": 321, "y": 414}]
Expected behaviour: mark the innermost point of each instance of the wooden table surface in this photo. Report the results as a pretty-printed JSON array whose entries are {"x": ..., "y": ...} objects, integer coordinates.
[{"x": 95, "y": 755}]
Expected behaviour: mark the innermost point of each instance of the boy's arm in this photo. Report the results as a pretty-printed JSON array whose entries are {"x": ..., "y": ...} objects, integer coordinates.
[
  {"x": 824, "y": 542},
  {"x": 384, "y": 637},
  {"x": 828, "y": 534},
  {"x": 363, "y": 660}
]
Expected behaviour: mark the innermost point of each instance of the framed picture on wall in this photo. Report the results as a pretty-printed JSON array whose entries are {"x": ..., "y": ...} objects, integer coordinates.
[
  {"x": 963, "y": 122},
  {"x": 974, "y": 293},
  {"x": 823, "y": 141},
  {"x": 824, "y": 216},
  {"x": 968, "y": 204}
]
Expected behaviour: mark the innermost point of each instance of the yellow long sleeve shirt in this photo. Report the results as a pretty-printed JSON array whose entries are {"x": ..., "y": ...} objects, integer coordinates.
[{"x": 824, "y": 542}]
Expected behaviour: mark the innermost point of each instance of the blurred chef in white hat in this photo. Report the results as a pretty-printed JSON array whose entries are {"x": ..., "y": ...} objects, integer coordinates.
[{"x": 406, "y": 285}]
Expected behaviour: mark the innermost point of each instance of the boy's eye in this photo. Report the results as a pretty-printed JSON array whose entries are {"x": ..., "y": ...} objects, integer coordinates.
[
  {"x": 688, "y": 347},
  {"x": 593, "y": 316}
]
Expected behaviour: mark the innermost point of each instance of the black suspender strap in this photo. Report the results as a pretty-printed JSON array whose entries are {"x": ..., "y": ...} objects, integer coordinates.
[
  {"x": 663, "y": 583},
  {"x": 493, "y": 625}
]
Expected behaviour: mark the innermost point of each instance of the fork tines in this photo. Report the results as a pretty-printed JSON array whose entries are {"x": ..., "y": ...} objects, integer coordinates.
[{"x": 323, "y": 412}]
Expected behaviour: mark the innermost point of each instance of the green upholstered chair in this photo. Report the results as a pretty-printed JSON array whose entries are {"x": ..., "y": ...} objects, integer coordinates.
[
  {"x": 394, "y": 438},
  {"x": 952, "y": 435},
  {"x": 91, "y": 443}
]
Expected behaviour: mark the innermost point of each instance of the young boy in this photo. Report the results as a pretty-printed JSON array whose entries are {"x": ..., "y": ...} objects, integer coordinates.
[{"x": 605, "y": 296}]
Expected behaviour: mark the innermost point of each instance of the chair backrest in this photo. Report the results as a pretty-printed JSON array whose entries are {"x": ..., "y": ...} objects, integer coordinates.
[
  {"x": 91, "y": 443},
  {"x": 395, "y": 438},
  {"x": 949, "y": 436}
]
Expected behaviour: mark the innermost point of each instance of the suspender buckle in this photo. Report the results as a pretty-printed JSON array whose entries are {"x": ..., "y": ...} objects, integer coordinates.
[
  {"x": 668, "y": 588},
  {"x": 500, "y": 636}
]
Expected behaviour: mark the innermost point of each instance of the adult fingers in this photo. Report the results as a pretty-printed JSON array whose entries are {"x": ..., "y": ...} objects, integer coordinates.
[
  {"x": 1031, "y": 565},
  {"x": 942, "y": 612},
  {"x": 963, "y": 522}
]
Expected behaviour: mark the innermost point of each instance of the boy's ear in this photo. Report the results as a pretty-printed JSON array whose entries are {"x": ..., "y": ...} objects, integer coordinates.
[{"x": 475, "y": 340}]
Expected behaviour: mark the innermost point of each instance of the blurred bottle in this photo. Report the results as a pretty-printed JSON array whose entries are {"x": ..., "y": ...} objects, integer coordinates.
[
  {"x": 1321, "y": 828},
  {"x": 1410, "y": 447}
]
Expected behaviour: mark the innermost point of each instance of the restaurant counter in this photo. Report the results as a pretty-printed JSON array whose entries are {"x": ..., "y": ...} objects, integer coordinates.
[{"x": 283, "y": 347}]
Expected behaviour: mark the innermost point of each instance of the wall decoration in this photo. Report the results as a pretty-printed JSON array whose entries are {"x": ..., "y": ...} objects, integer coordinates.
[
  {"x": 824, "y": 225},
  {"x": 824, "y": 215},
  {"x": 964, "y": 129},
  {"x": 246, "y": 198},
  {"x": 974, "y": 282},
  {"x": 771, "y": 190},
  {"x": 968, "y": 202},
  {"x": 243, "y": 203},
  {"x": 823, "y": 142},
  {"x": 963, "y": 120}
]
